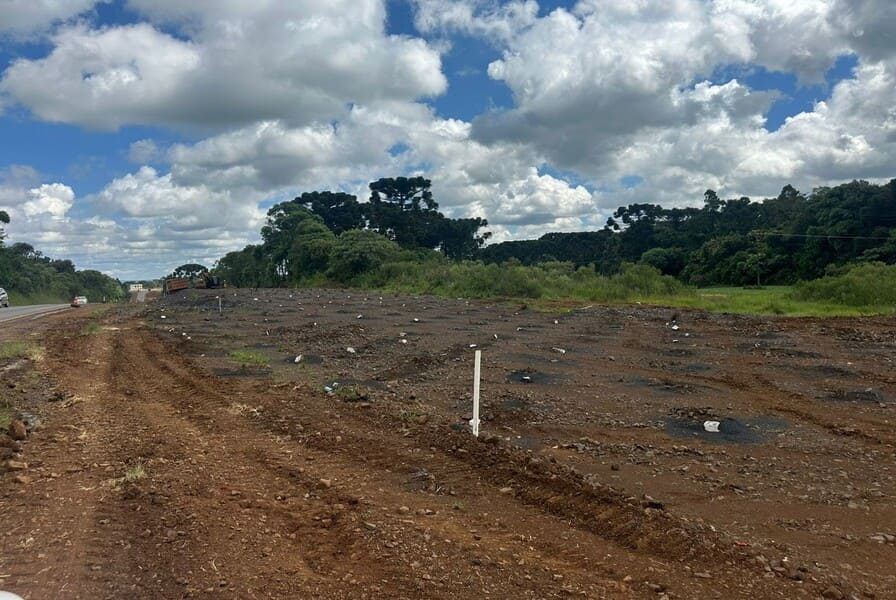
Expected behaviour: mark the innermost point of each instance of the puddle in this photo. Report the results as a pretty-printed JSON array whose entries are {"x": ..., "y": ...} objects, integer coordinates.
[
  {"x": 688, "y": 423},
  {"x": 307, "y": 359},
  {"x": 530, "y": 376}
]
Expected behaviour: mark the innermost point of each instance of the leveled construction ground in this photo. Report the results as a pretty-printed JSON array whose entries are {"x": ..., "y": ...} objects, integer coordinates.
[{"x": 161, "y": 466}]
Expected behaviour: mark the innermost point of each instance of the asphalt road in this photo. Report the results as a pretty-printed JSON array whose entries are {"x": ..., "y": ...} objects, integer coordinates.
[{"x": 33, "y": 311}]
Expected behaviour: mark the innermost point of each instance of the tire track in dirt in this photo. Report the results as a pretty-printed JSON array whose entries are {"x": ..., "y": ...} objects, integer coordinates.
[{"x": 547, "y": 488}]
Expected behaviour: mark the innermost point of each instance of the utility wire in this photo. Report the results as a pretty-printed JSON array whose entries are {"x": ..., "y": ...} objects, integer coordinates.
[{"x": 808, "y": 235}]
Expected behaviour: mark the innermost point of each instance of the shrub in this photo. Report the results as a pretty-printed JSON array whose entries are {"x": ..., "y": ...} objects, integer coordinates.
[{"x": 865, "y": 285}]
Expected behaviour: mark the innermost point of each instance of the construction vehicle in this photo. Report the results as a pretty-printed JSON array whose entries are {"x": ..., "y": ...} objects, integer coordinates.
[
  {"x": 175, "y": 284},
  {"x": 210, "y": 282}
]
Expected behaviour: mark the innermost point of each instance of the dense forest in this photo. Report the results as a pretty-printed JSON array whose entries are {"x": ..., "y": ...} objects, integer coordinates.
[
  {"x": 327, "y": 236},
  {"x": 29, "y": 276}
]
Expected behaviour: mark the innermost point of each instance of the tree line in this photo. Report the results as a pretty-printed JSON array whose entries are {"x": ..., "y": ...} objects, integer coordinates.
[
  {"x": 737, "y": 241},
  {"x": 326, "y": 235},
  {"x": 28, "y": 275},
  {"x": 330, "y": 236}
]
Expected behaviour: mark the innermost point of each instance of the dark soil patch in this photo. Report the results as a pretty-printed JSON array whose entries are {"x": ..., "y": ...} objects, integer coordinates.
[
  {"x": 689, "y": 423},
  {"x": 866, "y": 395},
  {"x": 530, "y": 376},
  {"x": 225, "y": 372}
]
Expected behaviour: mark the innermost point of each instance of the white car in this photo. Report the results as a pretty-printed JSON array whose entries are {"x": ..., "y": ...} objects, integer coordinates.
[
  {"x": 79, "y": 301},
  {"x": 4, "y": 298}
]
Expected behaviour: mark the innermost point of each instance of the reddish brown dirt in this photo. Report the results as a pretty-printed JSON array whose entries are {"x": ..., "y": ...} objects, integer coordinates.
[{"x": 593, "y": 476}]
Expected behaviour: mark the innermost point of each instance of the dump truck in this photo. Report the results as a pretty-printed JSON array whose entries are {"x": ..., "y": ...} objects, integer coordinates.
[{"x": 175, "y": 284}]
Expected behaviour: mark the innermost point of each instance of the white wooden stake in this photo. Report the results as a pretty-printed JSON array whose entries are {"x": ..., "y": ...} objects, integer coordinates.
[{"x": 475, "y": 420}]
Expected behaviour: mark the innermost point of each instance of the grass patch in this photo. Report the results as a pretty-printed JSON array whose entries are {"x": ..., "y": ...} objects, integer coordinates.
[
  {"x": 770, "y": 300},
  {"x": 134, "y": 473},
  {"x": 352, "y": 393},
  {"x": 92, "y": 329},
  {"x": 247, "y": 358},
  {"x": 408, "y": 415},
  {"x": 5, "y": 416},
  {"x": 19, "y": 350},
  {"x": 17, "y": 299}
]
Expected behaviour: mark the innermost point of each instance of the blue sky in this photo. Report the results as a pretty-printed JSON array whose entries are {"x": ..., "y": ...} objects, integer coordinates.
[{"x": 142, "y": 134}]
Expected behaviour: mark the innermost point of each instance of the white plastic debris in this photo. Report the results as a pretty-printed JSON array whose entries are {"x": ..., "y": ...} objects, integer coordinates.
[
  {"x": 164, "y": 317},
  {"x": 360, "y": 317},
  {"x": 556, "y": 322},
  {"x": 416, "y": 320},
  {"x": 560, "y": 350},
  {"x": 472, "y": 345},
  {"x": 350, "y": 350},
  {"x": 711, "y": 426},
  {"x": 675, "y": 328},
  {"x": 526, "y": 379},
  {"x": 298, "y": 359},
  {"x": 403, "y": 341}
]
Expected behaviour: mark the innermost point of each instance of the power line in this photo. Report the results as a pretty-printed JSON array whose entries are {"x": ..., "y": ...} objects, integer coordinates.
[{"x": 808, "y": 235}]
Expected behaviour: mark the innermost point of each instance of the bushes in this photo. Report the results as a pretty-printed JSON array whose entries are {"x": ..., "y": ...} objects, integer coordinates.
[
  {"x": 866, "y": 285},
  {"x": 553, "y": 280}
]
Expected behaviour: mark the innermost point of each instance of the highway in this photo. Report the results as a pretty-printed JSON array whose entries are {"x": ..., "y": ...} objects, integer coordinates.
[{"x": 33, "y": 311}]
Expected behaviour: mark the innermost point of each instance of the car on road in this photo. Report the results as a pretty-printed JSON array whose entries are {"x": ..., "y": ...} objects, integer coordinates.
[
  {"x": 4, "y": 298},
  {"x": 79, "y": 301}
]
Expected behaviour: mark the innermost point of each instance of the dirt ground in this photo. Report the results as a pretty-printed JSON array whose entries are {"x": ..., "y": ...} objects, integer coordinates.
[{"x": 158, "y": 466}]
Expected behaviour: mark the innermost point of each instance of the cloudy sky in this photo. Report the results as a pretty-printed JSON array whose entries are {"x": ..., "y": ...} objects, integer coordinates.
[{"x": 137, "y": 135}]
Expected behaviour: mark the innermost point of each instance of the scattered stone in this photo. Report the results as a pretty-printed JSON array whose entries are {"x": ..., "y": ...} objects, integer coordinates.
[
  {"x": 832, "y": 593},
  {"x": 403, "y": 510},
  {"x": 702, "y": 575},
  {"x": 17, "y": 430},
  {"x": 327, "y": 483},
  {"x": 16, "y": 465},
  {"x": 23, "y": 479},
  {"x": 506, "y": 490}
]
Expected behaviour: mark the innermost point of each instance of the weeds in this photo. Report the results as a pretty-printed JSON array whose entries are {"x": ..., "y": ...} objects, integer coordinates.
[
  {"x": 408, "y": 415},
  {"x": 247, "y": 358},
  {"x": 92, "y": 329},
  {"x": 20, "y": 350},
  {"x": 5, "y": 416}
]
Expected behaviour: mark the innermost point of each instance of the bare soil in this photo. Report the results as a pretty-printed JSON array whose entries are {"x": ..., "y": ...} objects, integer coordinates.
[{"x": 159, "y": 467}]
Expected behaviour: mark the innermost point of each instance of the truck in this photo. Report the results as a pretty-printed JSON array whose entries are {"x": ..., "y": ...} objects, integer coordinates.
[{"x": 175, "y": 284}]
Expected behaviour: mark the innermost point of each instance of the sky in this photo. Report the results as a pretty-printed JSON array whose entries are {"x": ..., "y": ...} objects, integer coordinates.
[{"x": 138, "y": 135}]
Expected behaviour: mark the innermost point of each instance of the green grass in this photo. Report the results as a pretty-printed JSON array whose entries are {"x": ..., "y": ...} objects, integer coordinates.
[
  {"x": 5, "y": 417},
  {"x": 19, "y": 350},
  {"x": 134, "y": 473},
  {"x": 17, "y": 299},
  {"x": 92, "y": 329},
  {"x": 248, "y": 358},
  {"x": 770, "y": 300}
]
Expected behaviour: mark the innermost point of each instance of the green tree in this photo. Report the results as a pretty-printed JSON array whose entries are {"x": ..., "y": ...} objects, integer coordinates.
[
  {"x": 403, "y": 210},
  {"x": 358, "y": 251},
  {"x": 189, "y": 271},
  {"x": 311, "y": 247},
  {"x": 339, "y": 211},
  {"x": 4, "y": 218}
]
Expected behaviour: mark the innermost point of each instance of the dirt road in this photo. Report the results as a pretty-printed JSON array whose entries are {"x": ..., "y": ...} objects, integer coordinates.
[{"x": 157, "y": 467}]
